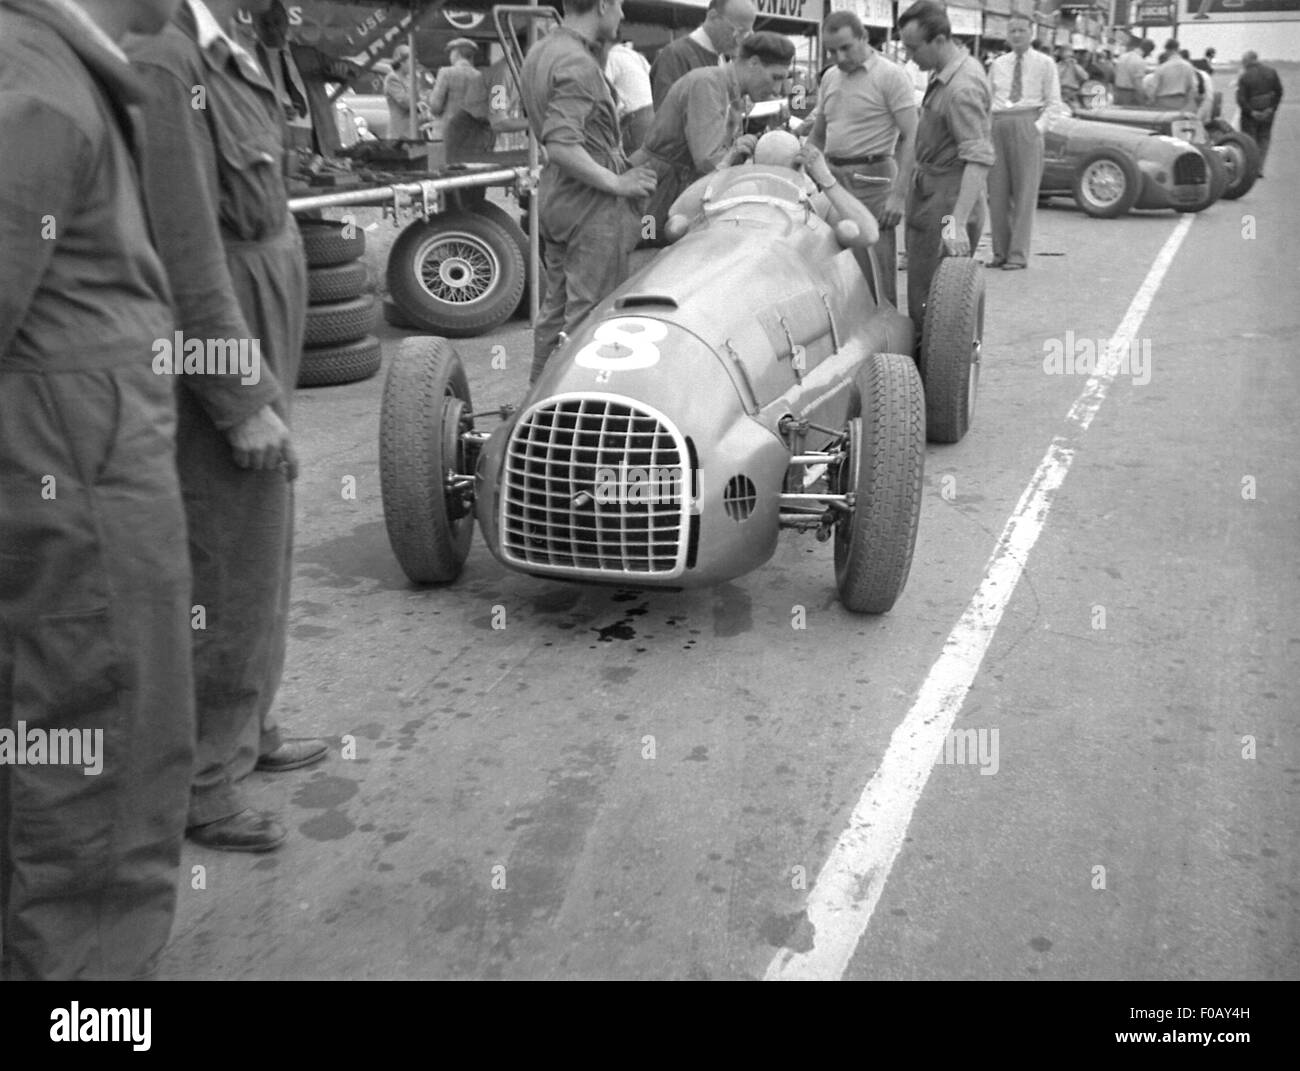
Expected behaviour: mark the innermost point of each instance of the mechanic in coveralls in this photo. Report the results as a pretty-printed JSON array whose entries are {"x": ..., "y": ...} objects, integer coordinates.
[
  {"x": 697, "y": 128},
  {"x": 954, "y": 151},
  {"x": 94, "y": 576},
  {"x": 585, "y": 199},
  {"x": 214, "y": 186}
]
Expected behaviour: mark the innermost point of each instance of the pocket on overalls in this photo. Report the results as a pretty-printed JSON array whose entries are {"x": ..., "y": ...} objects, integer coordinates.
[{"x": 249, "y": 165}]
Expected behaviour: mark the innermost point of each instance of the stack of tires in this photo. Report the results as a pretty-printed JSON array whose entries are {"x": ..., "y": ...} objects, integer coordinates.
[{"x": 339, "y": 345}]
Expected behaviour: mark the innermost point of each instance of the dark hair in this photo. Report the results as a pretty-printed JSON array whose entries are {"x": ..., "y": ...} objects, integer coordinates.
[
  {"x": 1148, "y": 46},
  {"x": 839, "y": 20},
  {"x": 1019, "y": 16},
  {"x": 932, "y": 18},
  {"x": 1171, "y": 45},
  {"x": 1210, "y": 52},
  {"x": 1185, "y": 54},
  {"x": 579, "y": 7},
  {"x": 770, "y": 48}
]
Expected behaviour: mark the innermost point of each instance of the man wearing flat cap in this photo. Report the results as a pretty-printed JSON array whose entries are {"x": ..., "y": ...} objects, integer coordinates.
[{"x": 460, "y": 99}]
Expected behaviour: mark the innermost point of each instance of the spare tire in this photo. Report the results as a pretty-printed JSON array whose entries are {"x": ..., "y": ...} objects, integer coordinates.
[
  {"x": 325, "y": 365},
  {"x": 328, "y": 242},
  {"x": 342, "y": 282},
  {"x": 458, "y": 274},
  {"x": 340, "y": 321}
]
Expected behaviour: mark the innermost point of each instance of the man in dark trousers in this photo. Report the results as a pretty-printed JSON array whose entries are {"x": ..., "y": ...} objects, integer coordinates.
[
  {"x": 1259, "y": 92},
  {"x": 588, "y": 198},
  {"x": 727, "y": 23},
  {"x": 215, "y": 189},
  {"x": 698, "y": 127},
  {"x": 94, "y": 576},
  {"x": 954, "y": 151}
]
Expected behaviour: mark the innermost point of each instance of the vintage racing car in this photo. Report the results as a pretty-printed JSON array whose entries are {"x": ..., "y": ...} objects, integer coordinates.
[
  {"x": 744, "y": 381},
  {"x": 1110, "y": 168},
  {"x": 1233, "y": 156}
]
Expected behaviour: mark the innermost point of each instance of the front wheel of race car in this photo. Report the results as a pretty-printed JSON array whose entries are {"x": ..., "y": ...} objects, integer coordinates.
[
  {"x": 430, "y": 520},
  {"x": 952, "y": 337},
  {"x": 1107, "y": 183},
  {"x": 458, "y": 274},
  {"x": 883, "y": 465},
  {"x": 1240, "y": 160}
]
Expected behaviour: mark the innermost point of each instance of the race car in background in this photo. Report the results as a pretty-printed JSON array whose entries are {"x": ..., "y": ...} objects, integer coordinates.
[{"x": 1110, "y": 168}]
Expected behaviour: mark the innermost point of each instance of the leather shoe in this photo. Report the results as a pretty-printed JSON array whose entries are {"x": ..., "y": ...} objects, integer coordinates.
[
  {"x": 1011, "y": 265},
  {"x": 246, "y": 831},
  {"x": 996, "y": 262},
  {"x": 293, "y": 755}
]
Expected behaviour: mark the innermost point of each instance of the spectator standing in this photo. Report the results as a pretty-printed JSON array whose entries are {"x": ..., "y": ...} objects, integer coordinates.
[
  {"x": 866, "y": 122},
  {"x": 397, "y": 90},
  {"x": 1206, "y": 63},
  {"x": 460, "y": 99},
  {"x": 726, "y": 24},
  {"x": 1130, "y": 69},
  {"x": 1259, "y": 92},
  {"x": 1026, "y": 92},
  {"x": 954, "y": 151},
  {"x": 217, "y": 202},
  {"x": 1070, "y": 75},
  {"x": 94, "y": 577},
  {"x": 586, "y": 218},
  {"x": 629, "y": 73},
  {"x": 1176, "y": 85}
]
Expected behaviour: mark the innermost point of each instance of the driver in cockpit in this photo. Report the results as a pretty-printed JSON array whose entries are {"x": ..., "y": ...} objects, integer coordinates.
[{"x": 780, "y": 154}]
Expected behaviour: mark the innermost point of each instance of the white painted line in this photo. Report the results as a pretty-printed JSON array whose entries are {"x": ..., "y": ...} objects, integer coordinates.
[{"x": 844, "y": 896}]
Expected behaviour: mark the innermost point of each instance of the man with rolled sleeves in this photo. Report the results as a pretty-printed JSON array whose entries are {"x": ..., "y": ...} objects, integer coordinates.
[
  {"x": 865, "y": 118},
  {"x": 588, "y": 199},
  {"x": 954, "y": 151},
  {"x": 94, "y": 575},
  {"x": 1026, "y": 93}
]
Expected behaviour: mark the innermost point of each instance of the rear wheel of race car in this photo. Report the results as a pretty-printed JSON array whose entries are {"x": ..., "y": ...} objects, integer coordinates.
[
  {"x": 1218, "y": 176},
  {"x": 1106, "y": 183},
  {"x": 499, "y": 215},
  {"x": 1241, "y": 161},
  {"x": 423, "y": 414},
  {"x": 328, "y": 242},
  {"x": 883, "y": 468},
  {"x": 952, "y": 337},
  {"x": 459, "y": 274}
]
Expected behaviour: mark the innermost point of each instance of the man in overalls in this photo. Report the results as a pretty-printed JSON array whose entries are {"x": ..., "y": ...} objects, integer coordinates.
[
  {"x": 94, "y": 576},
  {"x": 954, "y": 151},
  {"x": 215, "y": 191}
]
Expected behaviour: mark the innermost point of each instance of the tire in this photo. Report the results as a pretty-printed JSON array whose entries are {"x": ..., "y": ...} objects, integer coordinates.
[
  {"x": 327, "y": 245},
  {"x": 459, "y": 274},
  {"x": 884, "y": 467},
  {"x": 1241, "y": 162},
  {"x": 1218, "y": 175},
  {"x": 340, "y": 321},
  {"x": 324, "y": 366},
  {"x": 342, "y": 282},
  {"x": 499, "y": 215},
  {"x": 952, "y": 338},
  {"x": 426, "y": 397},
  {"x": 1106, "y": 184}
]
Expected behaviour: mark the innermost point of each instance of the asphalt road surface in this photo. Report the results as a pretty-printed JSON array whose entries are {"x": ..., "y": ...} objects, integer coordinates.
[{"x": 1104, "y": 604}]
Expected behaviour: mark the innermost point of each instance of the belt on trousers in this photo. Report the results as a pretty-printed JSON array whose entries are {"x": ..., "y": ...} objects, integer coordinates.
[{"x": 855, "y": 161}]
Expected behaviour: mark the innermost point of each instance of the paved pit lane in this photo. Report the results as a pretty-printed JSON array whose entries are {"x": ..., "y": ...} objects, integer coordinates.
[{"x": 540, "y": 780}]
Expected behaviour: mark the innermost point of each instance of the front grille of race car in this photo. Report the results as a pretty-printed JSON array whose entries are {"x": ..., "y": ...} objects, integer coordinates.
[
  {"x": 1189, "y": 169},
  {"x": 596, "y": 485}
]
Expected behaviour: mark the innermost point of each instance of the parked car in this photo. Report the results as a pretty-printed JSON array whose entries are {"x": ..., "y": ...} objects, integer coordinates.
[
  {"x": 1236, "y": 152},
  {"x": 1110, "y": 168},
  {"x": 745, "y": 381}
]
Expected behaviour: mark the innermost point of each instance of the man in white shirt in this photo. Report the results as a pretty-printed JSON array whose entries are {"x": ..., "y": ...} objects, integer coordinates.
[
  {"x": 629, "y": 73},
  {"x": 1130, "y": 69},
  {"x": 1175, "y": 85},
  {"x": 1026, "y": 92}
]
